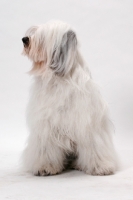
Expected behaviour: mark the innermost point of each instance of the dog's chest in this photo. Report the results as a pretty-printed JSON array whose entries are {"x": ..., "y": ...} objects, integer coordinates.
[
  {"x": 48, "y": 100},
  {"x": 56, "y": 102}
]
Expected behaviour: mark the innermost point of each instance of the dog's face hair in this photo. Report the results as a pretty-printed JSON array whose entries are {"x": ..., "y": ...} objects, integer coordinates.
[{"x": 52, "y": 45}]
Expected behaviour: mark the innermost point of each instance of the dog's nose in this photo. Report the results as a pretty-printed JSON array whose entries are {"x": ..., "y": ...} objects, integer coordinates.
[{"x": 25, "y": 40}]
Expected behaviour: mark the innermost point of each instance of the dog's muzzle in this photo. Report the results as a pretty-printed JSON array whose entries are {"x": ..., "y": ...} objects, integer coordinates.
[{"x": 25, "y": 41}]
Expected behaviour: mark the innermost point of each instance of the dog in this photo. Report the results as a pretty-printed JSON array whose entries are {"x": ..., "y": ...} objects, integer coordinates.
[{"x": 67, "y": 118}]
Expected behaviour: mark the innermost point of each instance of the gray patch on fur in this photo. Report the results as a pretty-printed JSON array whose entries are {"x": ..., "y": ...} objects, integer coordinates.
[{"x": 62, "y": 54}]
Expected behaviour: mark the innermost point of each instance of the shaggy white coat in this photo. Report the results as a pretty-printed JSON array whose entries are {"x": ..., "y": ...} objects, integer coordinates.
[{"x": 66, "y": 113}]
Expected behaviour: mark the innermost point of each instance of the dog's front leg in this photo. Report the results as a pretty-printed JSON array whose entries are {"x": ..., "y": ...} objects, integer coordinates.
[
  {"x": 96, "y": 156},
  {"x": 42, "y": 156}
]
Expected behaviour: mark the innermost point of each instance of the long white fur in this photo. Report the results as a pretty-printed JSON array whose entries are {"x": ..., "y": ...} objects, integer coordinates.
[{"x": 66, "y": 114}]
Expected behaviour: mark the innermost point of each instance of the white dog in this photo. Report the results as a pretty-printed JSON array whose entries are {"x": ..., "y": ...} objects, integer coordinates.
[{"x": 67, "y": 117}]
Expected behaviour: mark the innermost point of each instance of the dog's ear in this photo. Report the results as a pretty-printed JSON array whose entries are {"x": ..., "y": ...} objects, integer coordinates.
[{"x": 64, "y": 55}]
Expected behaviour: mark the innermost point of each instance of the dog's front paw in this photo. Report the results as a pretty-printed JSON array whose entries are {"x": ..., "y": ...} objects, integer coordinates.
[
  {"x": 101, "y": 171},
  {"x": 47, "y": 172},
  {"x": 42, "y": 173}
]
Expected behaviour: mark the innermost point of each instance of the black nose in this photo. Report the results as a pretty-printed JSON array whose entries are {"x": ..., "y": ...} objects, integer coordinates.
[{"x": 25, "y": 40}]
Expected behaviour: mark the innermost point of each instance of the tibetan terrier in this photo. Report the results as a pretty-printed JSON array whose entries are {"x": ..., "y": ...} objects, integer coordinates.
[{"x": 67, "y": 118}]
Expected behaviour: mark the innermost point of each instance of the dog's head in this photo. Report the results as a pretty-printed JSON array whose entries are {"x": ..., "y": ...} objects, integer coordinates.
[{"x": 52, "y": 45}]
